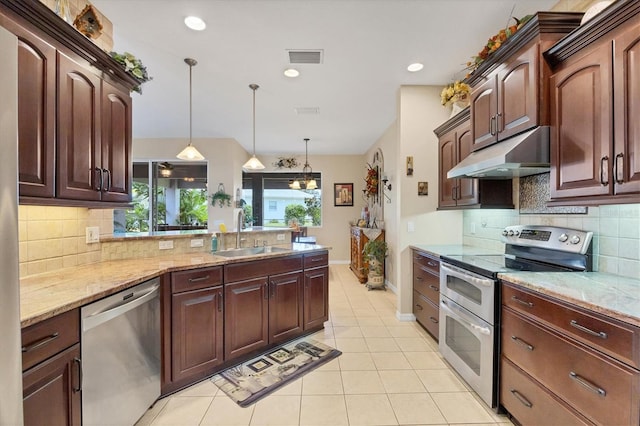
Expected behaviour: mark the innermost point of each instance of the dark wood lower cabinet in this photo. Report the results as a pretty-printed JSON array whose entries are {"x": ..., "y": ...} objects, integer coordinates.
[
  {"x": 285, "y": 306},
  {"x": 51, "y": 390},
  {"x": 246, "y": 317},
  {"x": 316, "y": 297},
  {"x": 197, "y": 332}
]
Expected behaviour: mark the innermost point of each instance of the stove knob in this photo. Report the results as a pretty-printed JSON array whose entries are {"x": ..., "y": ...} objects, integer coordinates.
[
  {"x": 574, "y": 239},
  {"x": 562, "y": 238},
  {"x": 516, "y": 232},
  {"x": 504, "y": 233},
  {"x": 511, "y": 233}
]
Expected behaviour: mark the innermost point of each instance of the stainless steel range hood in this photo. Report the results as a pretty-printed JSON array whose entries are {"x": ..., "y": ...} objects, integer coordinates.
[{"x": 522, "y": 155}]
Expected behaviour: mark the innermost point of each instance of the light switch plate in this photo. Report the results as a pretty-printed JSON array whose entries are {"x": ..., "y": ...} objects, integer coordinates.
[
  {"x": 411, "y": 227},
  {"x": 92, "y": 234},
  {"x": 280, "y": 237},
  {"x": 199, "y": 242}
]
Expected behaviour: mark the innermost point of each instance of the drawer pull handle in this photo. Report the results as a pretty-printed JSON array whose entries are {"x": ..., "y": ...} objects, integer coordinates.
[
  {"x": 195, "y": 280},
  {"x": 419, "y": 307},
  {"x": 77, "y": 361},
  {"x": 522, "y": 343},
  {"x": 432, "y": 264},
  {"x": 587, "y": 384},
  {"x": 419, "y": 278},
  {"x": 600, "y": 334},
  {"x": 522, "y": 302},
  {"x": 433, "y": 320},
  {"x": 316, "y": 259},
  {"x": 433, "y": 287},
  {"x": 39, "y": 343},
  {"x": 521, "y": 398}
]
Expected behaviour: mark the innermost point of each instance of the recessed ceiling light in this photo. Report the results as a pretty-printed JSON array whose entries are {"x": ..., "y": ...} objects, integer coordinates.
[
  {"x": 195, "y": 23},
  {"x": 415, "y": 67},
  {"x": 291, "y": 72}
]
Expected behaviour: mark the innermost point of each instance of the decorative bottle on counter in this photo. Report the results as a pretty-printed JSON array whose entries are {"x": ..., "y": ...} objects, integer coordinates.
[{"x": 214, "y": 243}]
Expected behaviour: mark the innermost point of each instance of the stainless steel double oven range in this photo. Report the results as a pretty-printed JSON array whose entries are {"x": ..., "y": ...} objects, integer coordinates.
[{"x": 470, "y": 296}]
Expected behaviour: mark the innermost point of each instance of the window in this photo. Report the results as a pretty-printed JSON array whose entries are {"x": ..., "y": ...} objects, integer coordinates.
[
  {"x": 269, "y": 201},
  {"x": 166, "y": 197}
]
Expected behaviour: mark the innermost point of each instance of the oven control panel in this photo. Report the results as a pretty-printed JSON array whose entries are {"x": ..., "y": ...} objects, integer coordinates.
[{"x": 548, "y": 237}]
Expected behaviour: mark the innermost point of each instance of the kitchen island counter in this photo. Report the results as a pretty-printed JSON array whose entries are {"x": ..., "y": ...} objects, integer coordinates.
[
  {"x": 611, "y": 295},
  {"x": 45, "y": 295}
]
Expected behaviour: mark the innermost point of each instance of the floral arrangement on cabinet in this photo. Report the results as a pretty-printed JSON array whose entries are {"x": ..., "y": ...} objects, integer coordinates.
[
  {"x": 371, "y": 182},
  {"x": 455, "y": 92},
  {"x": 133, "y": 66}
]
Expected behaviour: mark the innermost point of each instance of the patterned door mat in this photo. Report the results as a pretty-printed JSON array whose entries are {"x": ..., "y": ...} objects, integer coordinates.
[{"x": 253, "y": 380}]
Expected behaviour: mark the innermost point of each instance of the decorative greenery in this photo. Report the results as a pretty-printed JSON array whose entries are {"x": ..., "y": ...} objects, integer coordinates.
[
  {"x": 295, "y": 212},
  {"x": 495, "y": 42},
  {"x": 133, "y": 66},
  {"x": 286, "y": 163},
  {"x": 221, "y": 197},
  {"x": 454, "y": 92},
  {"x": 376, "y": 250}
]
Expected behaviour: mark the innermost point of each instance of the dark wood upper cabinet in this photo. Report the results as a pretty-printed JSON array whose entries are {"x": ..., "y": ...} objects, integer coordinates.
[
  {"x": 455, "y": 143},
  {"x": 36, "y": 114},
  {"x": 510, "y": 93},
  {"x": 595, "y": 138},
  {"x": 79, "y": 173}
]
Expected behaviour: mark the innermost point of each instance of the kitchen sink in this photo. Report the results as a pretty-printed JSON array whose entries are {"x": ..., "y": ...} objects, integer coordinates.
[{"x": 249, "y": 251}]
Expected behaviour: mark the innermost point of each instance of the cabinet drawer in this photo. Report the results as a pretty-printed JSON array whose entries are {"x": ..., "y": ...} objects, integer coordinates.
[
  {"x": 262, "y": 268},
  {"x": 316, "y": 260},
  {"x": 426, "y": 313},
  {"x": 427, "y": 261},
  {"x": 602, "y": 389},
  {"x": 195, "y": 279},
  {"x": 426, "y": 283},
  {"x": 530, "y": 403},
  {"x": 620, "y": 340},
  {"x": 47, "y": 338}
]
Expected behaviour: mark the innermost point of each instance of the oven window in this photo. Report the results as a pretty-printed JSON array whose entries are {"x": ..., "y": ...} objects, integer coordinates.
[
  {"x": 465, "y": 289},
  {"x": 464, "y": 344}
]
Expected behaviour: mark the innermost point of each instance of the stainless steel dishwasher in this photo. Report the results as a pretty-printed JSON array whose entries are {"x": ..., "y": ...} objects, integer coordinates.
[{"x": 120, "y": 347}]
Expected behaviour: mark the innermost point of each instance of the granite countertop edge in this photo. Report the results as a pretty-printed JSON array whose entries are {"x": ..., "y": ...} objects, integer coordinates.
[
  {"x": 45, "y": 295},
  {"x": 611, "y": 295}
]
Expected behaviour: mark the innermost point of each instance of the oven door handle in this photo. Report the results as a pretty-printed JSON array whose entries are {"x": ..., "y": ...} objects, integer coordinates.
[
  {"x": 464, "y": 275},
  {"x": 460, "y": 316}
]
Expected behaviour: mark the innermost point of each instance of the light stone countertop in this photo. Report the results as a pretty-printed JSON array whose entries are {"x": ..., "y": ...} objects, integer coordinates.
[
  {"x": 611, "y": 295},
  {"x": 45, "y": 295},
  {"x": 453, "y": 249}
]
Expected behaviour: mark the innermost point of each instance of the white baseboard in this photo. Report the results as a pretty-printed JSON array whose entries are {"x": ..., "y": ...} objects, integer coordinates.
[
  {"x": 405, "y": 317},
  {"x": 339, "y": 262},
  {"x": 391, "y": 287}
]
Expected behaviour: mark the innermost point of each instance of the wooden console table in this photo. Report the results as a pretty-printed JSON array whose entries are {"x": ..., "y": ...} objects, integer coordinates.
[{"x": 359, "y": 237}]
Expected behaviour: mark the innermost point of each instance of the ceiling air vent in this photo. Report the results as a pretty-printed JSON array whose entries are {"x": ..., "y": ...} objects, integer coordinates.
[
  {"x": 305, "y": 56},
  {"x": 307, "y": 110}
]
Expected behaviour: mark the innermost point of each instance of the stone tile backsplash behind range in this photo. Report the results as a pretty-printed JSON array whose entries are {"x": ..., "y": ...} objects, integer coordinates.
[{"x": 616, "y": 229}]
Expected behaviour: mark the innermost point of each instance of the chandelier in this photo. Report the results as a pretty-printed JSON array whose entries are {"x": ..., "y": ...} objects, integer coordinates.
[{"x": 307, "y": 181}]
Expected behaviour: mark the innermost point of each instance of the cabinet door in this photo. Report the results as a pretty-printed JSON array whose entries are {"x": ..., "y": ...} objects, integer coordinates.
[
  {"x": 51, "y": 390},
  {"x": 285, "y": 306},
  {"x": 626, "y": 62},
  {"x": 196, "y": 332},
  {"x": 467, "y": 189},
  {"x": 447, "y": 160},
  {"x": 316, "y": 297},
  {"x": 484, "y": 108},
  {"x": 79, "y": 176},
  {"x": 581, "y": 126},
  {"x": 117, "y": 166},
  {"x": 36, "y": 115},
  {"x": 246, "y": 317},
  {"x": 518, "y": 94}
]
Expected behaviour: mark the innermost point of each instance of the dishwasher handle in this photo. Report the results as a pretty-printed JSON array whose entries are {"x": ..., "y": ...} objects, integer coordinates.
[{"x": 118, "y": 309}]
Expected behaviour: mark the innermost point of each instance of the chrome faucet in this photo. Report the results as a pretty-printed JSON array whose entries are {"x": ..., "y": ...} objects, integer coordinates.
[{"x": 240, "y": 224}]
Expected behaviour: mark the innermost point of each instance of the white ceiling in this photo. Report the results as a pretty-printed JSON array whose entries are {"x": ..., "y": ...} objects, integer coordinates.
[{"x": 367, "y": 46}]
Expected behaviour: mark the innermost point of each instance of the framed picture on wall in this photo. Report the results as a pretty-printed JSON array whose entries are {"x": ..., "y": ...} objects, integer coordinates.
[{"x": 343, "y": 194}]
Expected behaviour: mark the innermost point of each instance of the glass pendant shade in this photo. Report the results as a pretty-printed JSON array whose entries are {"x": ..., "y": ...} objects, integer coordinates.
[
  {"x": 190, "y": 152},
  {"x": 253, "y": 163},
  {"x": 295, "y": 184},
  {"x": 312, "y": 184}
]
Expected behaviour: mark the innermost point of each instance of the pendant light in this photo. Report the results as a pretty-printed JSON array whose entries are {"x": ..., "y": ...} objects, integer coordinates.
[
  {"x": 307, "y": 172},
  {"x": 190, "y": 152},
  {"x": 253, "y": 163}
]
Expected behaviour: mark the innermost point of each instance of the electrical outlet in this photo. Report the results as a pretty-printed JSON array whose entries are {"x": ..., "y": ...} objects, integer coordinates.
[
  {"x": 280, "y": 237},
  {"x": 92, "y": 234},
  {"x": 197, "y": 242},
  {"x": 411, "y": 227},
  {"x": 165, "y": 245},
  {"x": 473, "y": 227}
]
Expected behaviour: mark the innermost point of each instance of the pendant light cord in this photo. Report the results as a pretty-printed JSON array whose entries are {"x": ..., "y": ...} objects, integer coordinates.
[
  {"x": 190, "y": 103},
  {"x": 254, "y": 87}
]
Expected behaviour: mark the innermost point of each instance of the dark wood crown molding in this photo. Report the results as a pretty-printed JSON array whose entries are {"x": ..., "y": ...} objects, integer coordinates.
[{"x": 453, "y": 122}]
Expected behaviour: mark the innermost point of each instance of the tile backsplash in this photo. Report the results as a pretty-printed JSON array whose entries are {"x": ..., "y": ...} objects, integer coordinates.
[{"x": 616, "y": 229}]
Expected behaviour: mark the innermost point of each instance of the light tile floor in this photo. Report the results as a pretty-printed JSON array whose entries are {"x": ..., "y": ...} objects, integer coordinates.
[{"x": 390, "y": 373}]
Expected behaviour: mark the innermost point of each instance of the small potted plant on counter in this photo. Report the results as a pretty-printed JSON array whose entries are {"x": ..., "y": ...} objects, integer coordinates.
[{"x": 375, "y": 251}]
